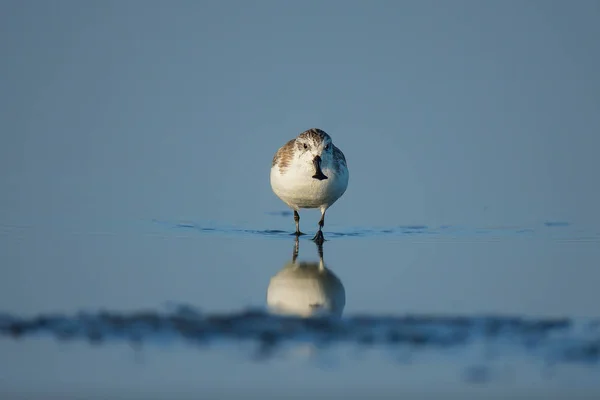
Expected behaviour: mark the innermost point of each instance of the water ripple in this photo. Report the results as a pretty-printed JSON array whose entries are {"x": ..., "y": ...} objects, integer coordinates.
[{"x": 557, "y": 230}]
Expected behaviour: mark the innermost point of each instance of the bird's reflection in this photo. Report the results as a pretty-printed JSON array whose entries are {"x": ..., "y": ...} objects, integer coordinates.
[{"x": 306, "y": 288}]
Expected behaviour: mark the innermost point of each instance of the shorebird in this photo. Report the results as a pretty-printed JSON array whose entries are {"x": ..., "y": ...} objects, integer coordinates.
[{"x": 309, "y": 171}]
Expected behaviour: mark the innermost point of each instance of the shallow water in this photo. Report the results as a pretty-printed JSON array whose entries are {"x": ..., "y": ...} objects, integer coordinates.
[{"x": 425, "y": 310}]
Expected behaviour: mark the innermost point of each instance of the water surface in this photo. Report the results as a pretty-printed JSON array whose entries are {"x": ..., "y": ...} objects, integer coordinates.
[{"x": 465, "y": 308}]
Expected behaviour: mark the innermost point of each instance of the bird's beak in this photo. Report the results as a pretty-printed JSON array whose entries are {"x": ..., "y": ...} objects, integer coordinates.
[{"x": 318, "y": 173}]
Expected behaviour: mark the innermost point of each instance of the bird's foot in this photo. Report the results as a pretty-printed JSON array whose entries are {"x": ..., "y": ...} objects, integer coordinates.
[
  {"x": 298, "y": 233},
  {"x": 319, "y": 238}
]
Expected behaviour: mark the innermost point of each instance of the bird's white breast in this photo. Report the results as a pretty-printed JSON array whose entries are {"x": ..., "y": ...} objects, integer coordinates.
[{"x": 298, "y": 189}]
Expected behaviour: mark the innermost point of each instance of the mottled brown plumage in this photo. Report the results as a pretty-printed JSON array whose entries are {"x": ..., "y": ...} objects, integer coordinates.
[
  {"x": 314, "y": 134},
  {"x": 284, "y": 156}
]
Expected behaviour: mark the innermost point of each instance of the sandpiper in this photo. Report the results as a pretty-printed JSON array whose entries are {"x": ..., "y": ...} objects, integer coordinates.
[{"x": 309, "y": 172}]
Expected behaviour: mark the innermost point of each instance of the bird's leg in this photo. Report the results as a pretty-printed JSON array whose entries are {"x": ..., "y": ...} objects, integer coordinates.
[
  {"x": 319, "y": 239},
  {"x": 297, "y": 221}
]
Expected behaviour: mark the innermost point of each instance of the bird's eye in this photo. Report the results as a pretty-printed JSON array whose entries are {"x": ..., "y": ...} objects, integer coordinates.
[
  {"x": 305, "y": 146},
  {"x": 327, "y": 147}
]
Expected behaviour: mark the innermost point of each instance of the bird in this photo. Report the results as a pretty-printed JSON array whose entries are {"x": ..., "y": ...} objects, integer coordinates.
[{"x": 309, "y": 171}]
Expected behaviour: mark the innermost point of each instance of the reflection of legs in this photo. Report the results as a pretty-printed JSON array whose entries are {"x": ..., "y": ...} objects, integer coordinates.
[
  {"x": 296, "y": 247},
  {"x": 319, "y": 239},
  {"x": 320, "y": 251},
  {"x": 297, "y": 221}
]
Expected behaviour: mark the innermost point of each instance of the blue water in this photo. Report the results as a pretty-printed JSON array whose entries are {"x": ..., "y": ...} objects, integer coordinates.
[{"x": 465, "y": 307}]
